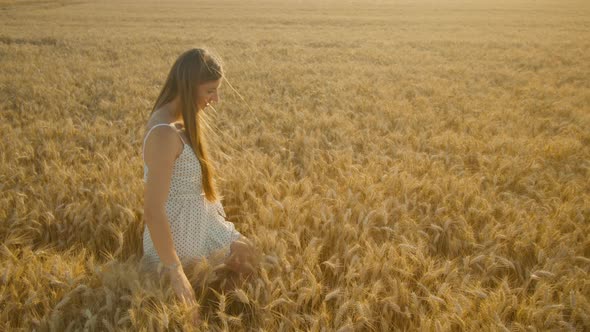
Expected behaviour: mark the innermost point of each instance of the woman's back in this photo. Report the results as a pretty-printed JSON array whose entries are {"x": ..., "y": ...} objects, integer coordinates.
[
  {"x": 186, "y": 173},
  {"x": 198, "y": 227}
]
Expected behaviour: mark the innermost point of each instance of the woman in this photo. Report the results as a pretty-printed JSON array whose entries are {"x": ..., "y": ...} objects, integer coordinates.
[{"x": 184, "y": 217}]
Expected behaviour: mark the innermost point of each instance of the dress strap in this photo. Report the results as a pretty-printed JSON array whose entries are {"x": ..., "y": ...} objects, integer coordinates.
[{"x": 152, "y": 128}]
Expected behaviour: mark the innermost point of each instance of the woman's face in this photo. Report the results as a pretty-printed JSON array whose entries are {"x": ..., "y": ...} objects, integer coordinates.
[{"x": 207, "y": 93}]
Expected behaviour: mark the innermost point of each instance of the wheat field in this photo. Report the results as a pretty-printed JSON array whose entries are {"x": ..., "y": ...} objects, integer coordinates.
[{"x": 402, "y": 165}]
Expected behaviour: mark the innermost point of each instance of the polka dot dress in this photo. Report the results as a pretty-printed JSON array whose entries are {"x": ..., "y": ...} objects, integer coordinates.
[{"x": 198, "y": 226}]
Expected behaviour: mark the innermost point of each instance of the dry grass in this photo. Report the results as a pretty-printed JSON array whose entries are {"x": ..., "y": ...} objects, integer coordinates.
[{"x": 402, "y": 165}]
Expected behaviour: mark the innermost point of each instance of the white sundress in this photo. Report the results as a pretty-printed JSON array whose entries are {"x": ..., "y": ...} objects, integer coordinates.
[{"x": 198, "y": 226}]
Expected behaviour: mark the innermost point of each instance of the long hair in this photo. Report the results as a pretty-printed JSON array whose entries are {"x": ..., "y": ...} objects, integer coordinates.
[{"x": 191, "y": 69}]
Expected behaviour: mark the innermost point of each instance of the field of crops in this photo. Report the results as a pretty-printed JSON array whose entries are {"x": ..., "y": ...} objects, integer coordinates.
[{"x": 402, "y": 165}]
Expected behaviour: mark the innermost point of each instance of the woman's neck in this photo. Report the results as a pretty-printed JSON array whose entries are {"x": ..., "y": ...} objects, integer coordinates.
[
  {"x": 175, "y": 109},
  {"x": 171, "y": 112}
]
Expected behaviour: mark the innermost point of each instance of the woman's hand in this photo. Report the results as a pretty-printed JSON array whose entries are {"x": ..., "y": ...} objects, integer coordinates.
[
  {"x": 243, "y": 257},
  {"x": 184, "y": 290}
]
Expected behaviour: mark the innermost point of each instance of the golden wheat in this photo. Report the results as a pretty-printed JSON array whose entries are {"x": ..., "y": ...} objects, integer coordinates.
[{"x": 402, "y": 165}]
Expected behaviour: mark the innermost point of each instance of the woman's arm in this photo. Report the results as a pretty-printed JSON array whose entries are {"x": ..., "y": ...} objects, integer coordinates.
[
  {"x": 157, "y": 224},
  {"x": 161, "y": 150}
]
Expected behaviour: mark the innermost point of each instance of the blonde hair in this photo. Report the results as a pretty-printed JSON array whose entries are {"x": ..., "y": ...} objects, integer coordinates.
[{"x": 191, "y": 69}]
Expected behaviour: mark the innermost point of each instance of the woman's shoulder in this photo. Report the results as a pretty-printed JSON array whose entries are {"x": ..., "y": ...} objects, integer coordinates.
[
  {"x": 154, "y": 123},
  {"x": 158, "y": 129},
  {"x": 162, "y": 138},
  {"x": 153, "y": 126}
]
